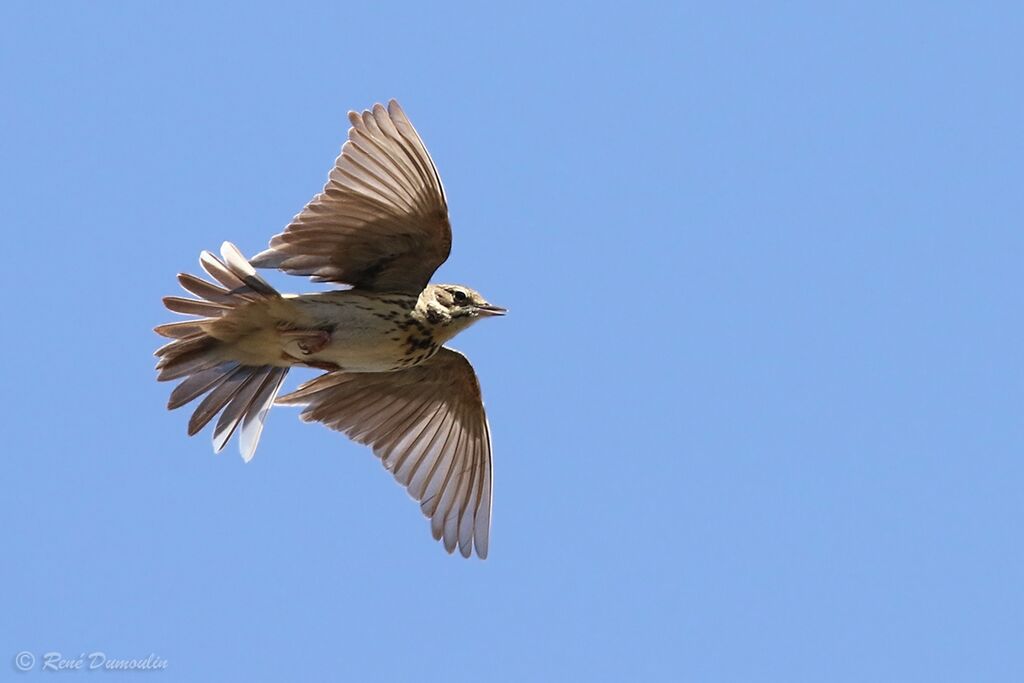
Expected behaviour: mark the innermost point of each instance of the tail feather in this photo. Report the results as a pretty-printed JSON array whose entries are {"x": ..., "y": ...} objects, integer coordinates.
[
  {"x": 194, "y": 306},
  {"x": 241, "y": 268},
  {"x": 198, "y": 384},
  {"x": 182, "y": 330},
  {"x": 256, "y": 415},
  {"x": 203, "y": 289},
  {"x": 237, "y": 407},
  {"x": 234, "y": 272},
  {"x": 194, "y": 354},
  {"x": 220, "y": 395},
  {"x": 242, "y": 394},
  {"x": 248, "y": 405}
]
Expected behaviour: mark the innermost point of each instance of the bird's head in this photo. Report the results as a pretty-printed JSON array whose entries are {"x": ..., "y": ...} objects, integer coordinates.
[{"x": 455, "y": 305}]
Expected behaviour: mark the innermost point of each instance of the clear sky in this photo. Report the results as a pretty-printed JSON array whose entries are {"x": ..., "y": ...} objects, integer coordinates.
[{"x": 757, "y": 408}]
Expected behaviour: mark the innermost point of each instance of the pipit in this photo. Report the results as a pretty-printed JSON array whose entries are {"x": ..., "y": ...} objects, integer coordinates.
[{"x": 380, "y": 226}]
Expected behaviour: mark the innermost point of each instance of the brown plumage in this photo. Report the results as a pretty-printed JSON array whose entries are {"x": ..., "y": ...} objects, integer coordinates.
[
  {"x": 427, "y": 425},
  {"x": 381, "y": 226},
  {"x": 381, "y": 222},
  {"x": 201, "y": 353}
]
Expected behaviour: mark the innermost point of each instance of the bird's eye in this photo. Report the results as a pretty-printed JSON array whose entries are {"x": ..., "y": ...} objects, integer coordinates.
[{"x": 460, "y": 297}]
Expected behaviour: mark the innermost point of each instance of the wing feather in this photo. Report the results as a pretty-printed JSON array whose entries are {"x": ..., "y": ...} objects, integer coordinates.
[
  {"x": 428, "y": 427},
  {"x": 381, "y": 221}
]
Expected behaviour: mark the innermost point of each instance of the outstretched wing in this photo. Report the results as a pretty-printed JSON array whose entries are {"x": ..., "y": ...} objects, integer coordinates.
[
  {"x": 428, "y": 427},
  {"x": 381, "y": 222}
]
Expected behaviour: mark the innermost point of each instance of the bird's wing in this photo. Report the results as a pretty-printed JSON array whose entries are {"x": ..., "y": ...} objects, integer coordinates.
[
  {"x": 428, "y": 427},
  {"x": 381, "y": 222}
]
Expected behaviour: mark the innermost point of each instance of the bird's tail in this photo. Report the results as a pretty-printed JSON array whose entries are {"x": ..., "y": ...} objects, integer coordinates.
[{"x": 199, "y": 351}]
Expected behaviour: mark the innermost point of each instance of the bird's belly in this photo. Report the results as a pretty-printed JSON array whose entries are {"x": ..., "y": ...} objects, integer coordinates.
[
  {"x": 363, "y": 336},
  {"x": 361, "y": 351}
]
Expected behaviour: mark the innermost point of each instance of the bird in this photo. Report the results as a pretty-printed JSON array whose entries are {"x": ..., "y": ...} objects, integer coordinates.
[{"x": 378, "y": 230}]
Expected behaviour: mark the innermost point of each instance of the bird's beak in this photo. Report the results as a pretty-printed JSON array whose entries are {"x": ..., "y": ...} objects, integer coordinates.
[{"x": 488, "y": 309}]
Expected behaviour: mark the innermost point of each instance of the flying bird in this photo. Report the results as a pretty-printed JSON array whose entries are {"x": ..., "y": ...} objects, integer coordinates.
[{"x": 380, "y": 227}]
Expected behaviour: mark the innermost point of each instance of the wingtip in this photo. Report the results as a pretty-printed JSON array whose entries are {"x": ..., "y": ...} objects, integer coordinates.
[{"x": 450, "y": 544}]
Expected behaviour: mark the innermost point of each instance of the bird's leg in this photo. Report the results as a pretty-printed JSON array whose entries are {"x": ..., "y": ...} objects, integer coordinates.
[{"x": 308, "y": 341}]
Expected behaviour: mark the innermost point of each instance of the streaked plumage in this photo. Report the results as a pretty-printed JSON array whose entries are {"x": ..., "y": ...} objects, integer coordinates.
[{"x": 380, "y": 225}]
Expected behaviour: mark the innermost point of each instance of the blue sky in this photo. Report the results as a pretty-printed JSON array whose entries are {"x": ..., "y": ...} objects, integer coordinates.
[{"x": 756, "y": 410}]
